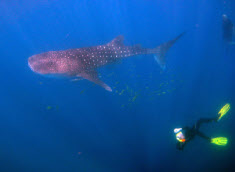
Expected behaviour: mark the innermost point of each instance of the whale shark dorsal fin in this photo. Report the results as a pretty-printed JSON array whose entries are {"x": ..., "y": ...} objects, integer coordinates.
[
  {"x": 118, "y": 41},
  {"x": 92, "y": 76}
]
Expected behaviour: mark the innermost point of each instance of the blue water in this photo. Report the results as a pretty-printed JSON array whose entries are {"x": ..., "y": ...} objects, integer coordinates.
[{"x": 51, "y": 124}]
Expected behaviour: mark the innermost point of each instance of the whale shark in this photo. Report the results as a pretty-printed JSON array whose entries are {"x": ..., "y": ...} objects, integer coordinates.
[{"x": 83, "y": 62}]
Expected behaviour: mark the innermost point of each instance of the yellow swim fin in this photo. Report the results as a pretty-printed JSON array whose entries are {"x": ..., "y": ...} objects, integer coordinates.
[
  {"x": 221, "y": 141},
  {"x": 223, "y": 111}
]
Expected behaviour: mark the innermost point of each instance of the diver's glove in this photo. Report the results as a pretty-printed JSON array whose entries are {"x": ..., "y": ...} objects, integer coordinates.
[
  {"x": 221, "y": 141},
  {"x": 223, "y": 111}
]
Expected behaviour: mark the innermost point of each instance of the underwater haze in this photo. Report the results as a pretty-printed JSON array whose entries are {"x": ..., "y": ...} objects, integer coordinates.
[{"x": 50, "y": 123}]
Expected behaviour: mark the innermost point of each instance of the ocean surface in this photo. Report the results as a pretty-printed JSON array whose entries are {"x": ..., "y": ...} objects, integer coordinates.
[{"x": 51, "y": 124}]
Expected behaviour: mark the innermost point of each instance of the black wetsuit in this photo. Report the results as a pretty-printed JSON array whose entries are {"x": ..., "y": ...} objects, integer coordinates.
[
  {"x": 228, "y": 29},
  {"x": 190, "y": 133}
]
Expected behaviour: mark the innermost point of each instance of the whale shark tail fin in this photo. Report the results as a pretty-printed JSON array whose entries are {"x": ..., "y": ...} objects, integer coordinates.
[{"x": 161, "y": 50}]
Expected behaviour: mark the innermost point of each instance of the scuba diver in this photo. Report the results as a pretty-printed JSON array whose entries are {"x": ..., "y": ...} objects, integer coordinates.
[
  {"x": 228, "y": 29},
  {"x": 186, "y": 134}
]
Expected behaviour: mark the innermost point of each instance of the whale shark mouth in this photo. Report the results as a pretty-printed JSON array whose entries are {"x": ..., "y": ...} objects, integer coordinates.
[{"x": 30, "y": 66}]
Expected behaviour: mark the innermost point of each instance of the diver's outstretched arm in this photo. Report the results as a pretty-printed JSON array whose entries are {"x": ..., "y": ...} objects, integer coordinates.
[{"x": 203, "y": 120}]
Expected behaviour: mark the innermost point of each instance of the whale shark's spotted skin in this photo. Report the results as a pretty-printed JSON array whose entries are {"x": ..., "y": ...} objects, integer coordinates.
[{"x": 83, "y": 62}]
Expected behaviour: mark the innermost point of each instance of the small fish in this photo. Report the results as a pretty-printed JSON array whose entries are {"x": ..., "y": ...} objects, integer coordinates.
[
  {"x": 134, "y": 98},
  {"x": 121, "y": 92},
  {"x": 49, "y": 107},
  {"x": 82, "y": 91}
]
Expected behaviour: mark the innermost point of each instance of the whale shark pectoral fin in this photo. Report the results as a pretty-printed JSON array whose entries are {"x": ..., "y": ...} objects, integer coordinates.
[{"x": 93, "y": 77}]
